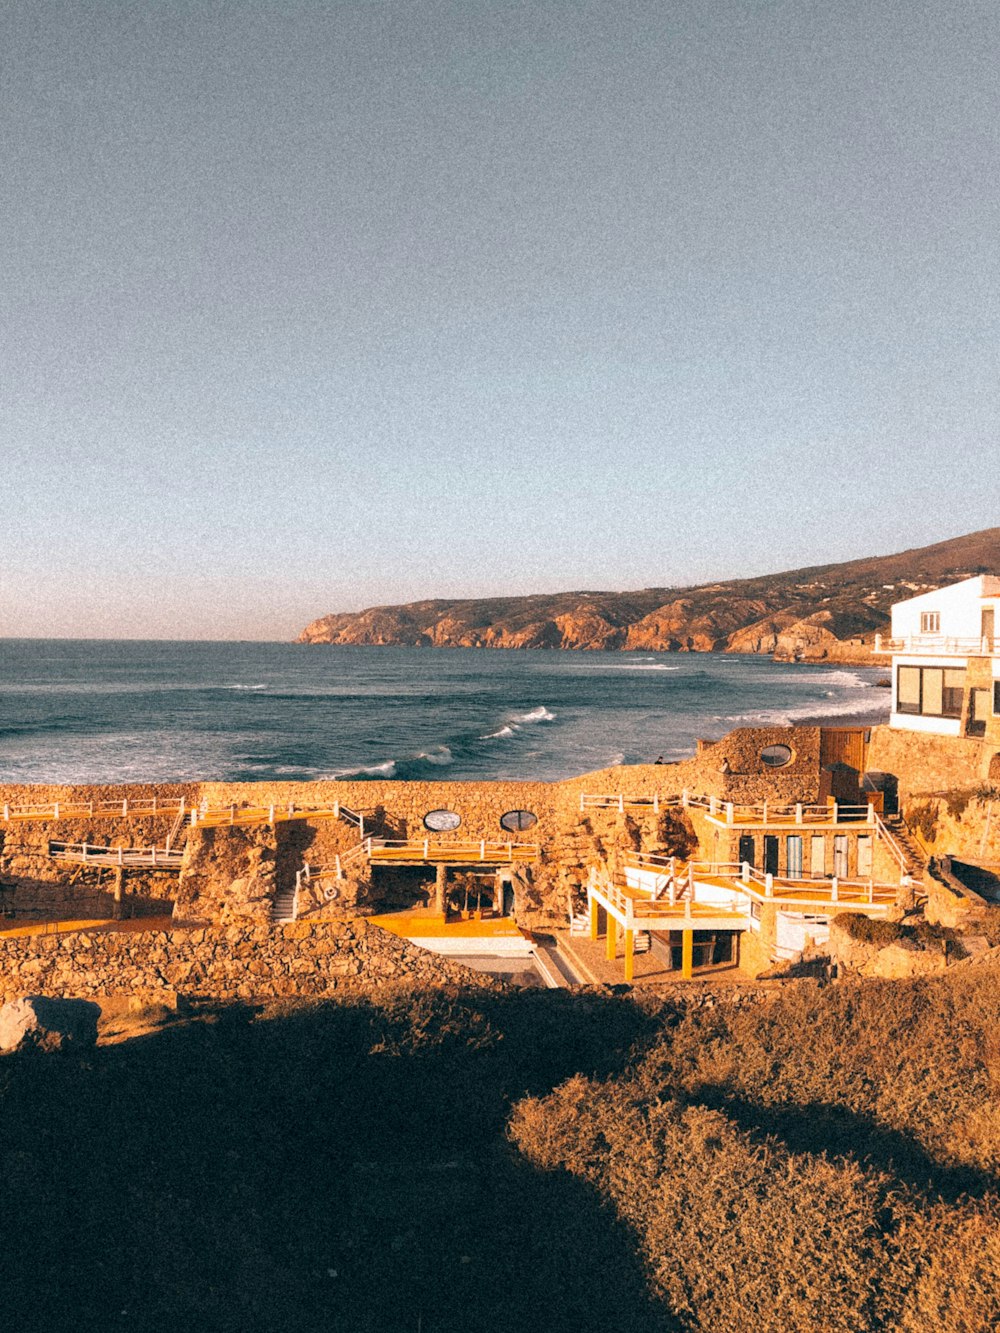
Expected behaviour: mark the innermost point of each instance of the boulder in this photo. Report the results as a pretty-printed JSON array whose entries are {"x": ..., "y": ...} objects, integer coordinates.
[
  {"x": 39, "y": 1022},
  {"x": 903, "y": 960}
]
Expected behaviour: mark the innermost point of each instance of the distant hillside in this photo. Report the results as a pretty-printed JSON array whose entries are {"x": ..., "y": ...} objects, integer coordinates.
[{"x": 826, "y": 612}]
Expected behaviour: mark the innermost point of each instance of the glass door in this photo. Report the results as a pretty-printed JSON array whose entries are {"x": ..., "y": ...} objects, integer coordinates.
[{"x": 793, "y": 856}]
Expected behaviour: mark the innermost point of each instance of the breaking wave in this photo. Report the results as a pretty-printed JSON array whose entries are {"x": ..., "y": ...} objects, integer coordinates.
[
  {"x": 440, "y": 755},
  {"x": 540, "y": 714},
  {"x": 519, "y": 720},
  {"x": 386, "y": 770},
  {"x": 819, "y": 708}
]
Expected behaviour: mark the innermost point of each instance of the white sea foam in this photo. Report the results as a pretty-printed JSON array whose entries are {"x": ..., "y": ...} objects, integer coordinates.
[
  {"x": 502, "y": 734},
  {"x": 626, "y": 666},
  {"x": 540, "y": 714},
  {"x": 786, "y": 717},
  {"x": 439, "y": 755},
  {"x": 386, "y": 770}
]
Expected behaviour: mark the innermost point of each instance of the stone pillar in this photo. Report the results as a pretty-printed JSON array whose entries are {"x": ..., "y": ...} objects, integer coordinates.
[{"x": 441, "y": 892}]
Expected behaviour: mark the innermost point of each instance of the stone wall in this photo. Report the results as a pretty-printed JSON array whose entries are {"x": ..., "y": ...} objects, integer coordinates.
[
  {"x": 890, "y": 959},
  {"x": 232, "y": 874},
  {"x": 225, "y": 963},
  {"x": 924, "y": 763}
]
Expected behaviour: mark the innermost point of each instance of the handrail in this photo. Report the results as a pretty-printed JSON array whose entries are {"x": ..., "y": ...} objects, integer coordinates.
[
  {"x": 91, "y": 809},
  {"x": 84, "y": 853},
  {"x": 203, "y": 814},
  {"x": 882, "y": 831},
  {"x": 939, "y": 644},
  {"x": 765, "y": 887},
  {"x": 177, "y": 825},
  {"x": 734, "y": 812},
  {"x": 437, "y": 849}
]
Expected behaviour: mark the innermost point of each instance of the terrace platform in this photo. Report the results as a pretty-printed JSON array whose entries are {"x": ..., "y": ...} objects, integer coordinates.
[{"x": 455, "y": 936}]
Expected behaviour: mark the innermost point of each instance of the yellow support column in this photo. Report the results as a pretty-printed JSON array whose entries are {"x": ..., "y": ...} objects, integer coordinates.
[
  {"x": 629, "y": 951},
  {"x": 687, "y": 954},
  {"x": 594, "y": 923},
  {"x": 612, "y": 948}
]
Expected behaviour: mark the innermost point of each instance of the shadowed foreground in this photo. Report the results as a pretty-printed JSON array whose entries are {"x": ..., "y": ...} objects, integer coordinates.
[
  {"x": 319, "y": 1167},
  {"x": 820, "y": 1159}
]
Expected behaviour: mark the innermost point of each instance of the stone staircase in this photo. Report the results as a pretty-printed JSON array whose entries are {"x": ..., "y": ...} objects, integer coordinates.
[
  {"x": 283, "y": 906},
  {"x": 917, "y": 861}
]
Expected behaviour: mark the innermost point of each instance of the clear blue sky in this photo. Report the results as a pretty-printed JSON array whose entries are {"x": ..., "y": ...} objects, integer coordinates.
[{"x": 308, "y": 306}]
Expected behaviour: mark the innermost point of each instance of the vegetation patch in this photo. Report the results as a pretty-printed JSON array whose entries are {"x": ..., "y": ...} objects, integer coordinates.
[
  {"x": 823, "y": 1162},
  {"x": 812, "y": 1159}
]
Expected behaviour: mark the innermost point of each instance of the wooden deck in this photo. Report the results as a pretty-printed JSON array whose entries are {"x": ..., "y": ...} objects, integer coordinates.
[{"x": 428, "y": 851}]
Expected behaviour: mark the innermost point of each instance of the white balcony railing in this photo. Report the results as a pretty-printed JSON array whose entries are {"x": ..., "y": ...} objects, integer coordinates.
[{"x": 938, "y": 645}]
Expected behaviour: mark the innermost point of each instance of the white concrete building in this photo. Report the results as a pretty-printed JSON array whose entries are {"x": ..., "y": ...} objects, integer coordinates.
[{"x": 946, "y": 659}]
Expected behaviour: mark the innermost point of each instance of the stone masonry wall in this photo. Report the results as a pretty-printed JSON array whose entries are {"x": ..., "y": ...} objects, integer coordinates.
[
  {"x": 263, "y": 861},
  {"x": 224, "y": 963},
  {"x": 925, "y": 763}
]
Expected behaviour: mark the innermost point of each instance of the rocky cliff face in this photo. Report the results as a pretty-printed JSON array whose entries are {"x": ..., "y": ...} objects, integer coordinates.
[{"x": 826, "y": 613}]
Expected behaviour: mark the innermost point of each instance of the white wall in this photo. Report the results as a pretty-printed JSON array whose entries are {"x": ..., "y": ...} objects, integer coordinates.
[
  {"x": 935, "y": 726},
  {"x": 793, "y": 929},
  {"x": 959, "y": 605}
]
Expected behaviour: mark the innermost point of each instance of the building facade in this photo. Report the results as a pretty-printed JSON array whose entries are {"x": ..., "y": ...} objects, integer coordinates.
[{"x": 946, "y": 661}]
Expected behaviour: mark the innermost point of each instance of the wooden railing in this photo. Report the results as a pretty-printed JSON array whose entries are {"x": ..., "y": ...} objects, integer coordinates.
[
  {"x": 92, "y": 809},
  {"x": 683, "y": 882},
  {"x": 884, "y": 835},
  {"x": 429, "y": 849},
  {"x": 83, "y": 853},
  {"x": 731, "y": 812}
]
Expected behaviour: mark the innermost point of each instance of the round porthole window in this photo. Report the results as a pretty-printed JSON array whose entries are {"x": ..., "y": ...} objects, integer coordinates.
[
  {"x": 516, "y": 821},
  {"x": 776, "y": 756},
  {"x": 441, "y": 821}
]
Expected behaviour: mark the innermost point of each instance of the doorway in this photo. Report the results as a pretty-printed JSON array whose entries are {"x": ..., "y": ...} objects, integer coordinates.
[
  {"x": 793, "y": 856},
  {"x": 864, "y": 858},
  {"x": 747, "y": 853},
  {"x": 988, "y": 626},
  {"x": 770, "y": 854},
  {"x": 840, "y": 856},
  {"x": 817, "y": 856}
]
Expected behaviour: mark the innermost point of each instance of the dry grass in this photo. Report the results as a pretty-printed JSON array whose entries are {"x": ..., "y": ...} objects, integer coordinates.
[{"x": 823, "y": 1163}]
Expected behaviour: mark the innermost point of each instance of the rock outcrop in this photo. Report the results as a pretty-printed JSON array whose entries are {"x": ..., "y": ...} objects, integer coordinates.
[
  {"x": 826, "y": 613},
  {"x": 41, "y": 1023}
]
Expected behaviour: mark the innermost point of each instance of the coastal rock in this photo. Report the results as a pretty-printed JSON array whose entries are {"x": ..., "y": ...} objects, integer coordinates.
[
  {"x": 39, "y": 1022},
  {"x": 823, "y": 613}
]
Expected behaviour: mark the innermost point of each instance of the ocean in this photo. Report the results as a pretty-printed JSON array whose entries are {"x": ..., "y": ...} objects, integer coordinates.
[{"x": 92, "y": 711}]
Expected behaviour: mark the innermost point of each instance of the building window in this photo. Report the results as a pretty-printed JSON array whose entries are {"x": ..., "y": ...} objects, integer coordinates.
[
  {"x": 776, "y": 756},
  {"x": 515, "y": 821},
  {"x": 930, "y": 622},
  {"x": 996, "y": 698},
  {"x": 442, "y": 821},
  {"x": 930, "y": 691}
]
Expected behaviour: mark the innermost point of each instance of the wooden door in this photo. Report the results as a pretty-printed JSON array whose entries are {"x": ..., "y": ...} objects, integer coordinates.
[
  {"x": 770, "y": 854},
  {"x": 747, "y": 853},
  {"x": 864, "y": 857},
  {"x": 840, "y": 856},
  {"x": 817, "y": 855}
]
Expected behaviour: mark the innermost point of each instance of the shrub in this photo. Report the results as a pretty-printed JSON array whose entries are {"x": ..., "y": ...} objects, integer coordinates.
[
  {"x": 822, "y": 1161},
  {"x": 866, "y": 930}
]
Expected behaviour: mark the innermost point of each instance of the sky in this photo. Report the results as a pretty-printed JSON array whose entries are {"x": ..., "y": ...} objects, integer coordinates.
[{"x": 307, "y": 307}]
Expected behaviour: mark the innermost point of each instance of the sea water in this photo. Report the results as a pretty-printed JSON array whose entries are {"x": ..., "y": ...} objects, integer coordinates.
[{"x": 100, "y": 711}]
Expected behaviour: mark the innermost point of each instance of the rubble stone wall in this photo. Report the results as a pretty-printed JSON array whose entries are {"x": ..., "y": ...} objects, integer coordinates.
[{"x": 224, "y": 963}]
